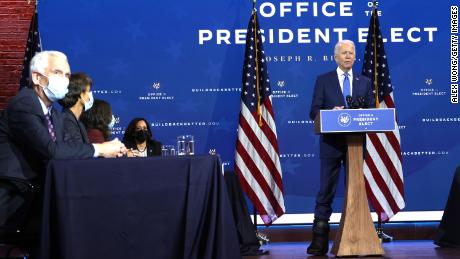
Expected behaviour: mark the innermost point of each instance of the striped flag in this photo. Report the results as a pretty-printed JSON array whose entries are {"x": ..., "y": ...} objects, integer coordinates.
[
  {"x": 382, "y": 164},
  {"x": 33, "y": 45},
  {"x": 257, "y": 157}
]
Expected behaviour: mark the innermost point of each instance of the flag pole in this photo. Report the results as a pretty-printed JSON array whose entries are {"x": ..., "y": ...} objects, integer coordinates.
[
  {"x": 256, "y": 43},
  {"x": 271, "y": 188},
  {"x": 254, "y": 211},
  {"x": 382, "y": 236},
  {"x": 254, "y": 2},
  {"x": 261, "y": 237},
  {"x": 376, "y": 85}
]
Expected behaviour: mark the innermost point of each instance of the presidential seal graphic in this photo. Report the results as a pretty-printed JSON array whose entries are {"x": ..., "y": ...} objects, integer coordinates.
[{"x": 344, "y": 119}]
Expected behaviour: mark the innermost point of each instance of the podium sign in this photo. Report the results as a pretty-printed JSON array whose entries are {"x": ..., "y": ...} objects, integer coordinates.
[{"x": 357, "y": 120}]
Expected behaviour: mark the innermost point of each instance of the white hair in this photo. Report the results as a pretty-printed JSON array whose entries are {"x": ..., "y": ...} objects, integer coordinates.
[
  {"x": 40, "y": 61},
  {"x": 340, "y": 43}
]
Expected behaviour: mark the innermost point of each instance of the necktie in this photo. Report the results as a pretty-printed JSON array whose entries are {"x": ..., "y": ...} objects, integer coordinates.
[
  {"x": 50, "y": 126},
  {"x": 346, "y": 88}
]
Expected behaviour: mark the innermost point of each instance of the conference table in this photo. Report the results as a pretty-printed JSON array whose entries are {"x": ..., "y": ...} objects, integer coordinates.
[{"x": 159, "y": 207}]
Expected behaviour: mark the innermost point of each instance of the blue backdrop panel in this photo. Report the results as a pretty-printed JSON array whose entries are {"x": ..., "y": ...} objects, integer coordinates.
[{"x": 179, "y": 64}]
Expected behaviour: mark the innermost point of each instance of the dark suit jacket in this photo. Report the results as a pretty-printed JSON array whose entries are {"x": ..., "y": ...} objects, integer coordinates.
[
  {"x": 74, "y": 130},
  {"x": 12, "y": 161},
  {"x": 27, "y": 131},
  {"x": 328, "y": 94},
  {"x": 25, "y": 149},
  {"x": 153, "y": 147}
]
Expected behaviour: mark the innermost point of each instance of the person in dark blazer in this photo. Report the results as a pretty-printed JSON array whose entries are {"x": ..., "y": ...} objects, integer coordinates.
[
  {"x": 78, "y": 99},
  {"x": 32, "y": 131},
  {"x": 138, "y": 139},
  {"x": 330, "y": 92}
]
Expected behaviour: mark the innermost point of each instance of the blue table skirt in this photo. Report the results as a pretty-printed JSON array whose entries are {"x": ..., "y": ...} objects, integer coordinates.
[{"x": 163, "y": 207}]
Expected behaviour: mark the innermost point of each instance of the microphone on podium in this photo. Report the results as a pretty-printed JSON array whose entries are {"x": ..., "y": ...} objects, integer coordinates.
[
  {"x": 361, "y": 102},
  {"x": 349, "y": 101}
]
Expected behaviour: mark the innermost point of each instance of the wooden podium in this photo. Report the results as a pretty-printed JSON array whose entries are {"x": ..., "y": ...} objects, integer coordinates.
[{"x": 356, "y": 235}]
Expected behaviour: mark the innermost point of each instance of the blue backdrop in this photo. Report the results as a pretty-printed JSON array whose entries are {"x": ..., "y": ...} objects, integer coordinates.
[{"x": 179, "y": 64}]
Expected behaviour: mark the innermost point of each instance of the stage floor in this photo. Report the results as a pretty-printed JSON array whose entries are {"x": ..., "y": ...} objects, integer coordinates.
[
  {"x": 424, "y": 249},
  {"x": 397, "y": 249}
]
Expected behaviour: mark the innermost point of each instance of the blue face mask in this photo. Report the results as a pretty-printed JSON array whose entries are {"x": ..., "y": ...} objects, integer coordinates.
[
  {"x": 90, "y": 102},
  {"x": 112, "y": 122},
  {"x": 56, "y": 88}
]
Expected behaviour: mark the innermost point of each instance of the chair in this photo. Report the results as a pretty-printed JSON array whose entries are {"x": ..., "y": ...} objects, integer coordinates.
[{"x": 16, "y": 224}]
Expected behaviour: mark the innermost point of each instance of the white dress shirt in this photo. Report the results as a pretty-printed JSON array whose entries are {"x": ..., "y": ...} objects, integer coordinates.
[{"x": 341, "y": 76}]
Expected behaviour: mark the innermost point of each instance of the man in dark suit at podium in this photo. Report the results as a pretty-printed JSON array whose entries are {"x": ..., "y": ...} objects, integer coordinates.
[{"x": 331, "y": 91}]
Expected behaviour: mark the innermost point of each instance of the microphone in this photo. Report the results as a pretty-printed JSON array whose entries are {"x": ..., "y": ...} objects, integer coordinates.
[
  {"x": 361, "y": 102},
  {"x": 349, "y": 101}
]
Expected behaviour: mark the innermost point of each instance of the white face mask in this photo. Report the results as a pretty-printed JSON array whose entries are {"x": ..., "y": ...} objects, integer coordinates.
[
  {"x": 56, "y": 88},
  {"x": 90, "y": 102},
  {"x": 112, "y": 122}
]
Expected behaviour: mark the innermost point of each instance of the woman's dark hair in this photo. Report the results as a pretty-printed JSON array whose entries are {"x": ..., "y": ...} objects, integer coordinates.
[
  {"x": 129, "y": 135},
  {"x": 98, "y": 117},
  {"x": 77, "y": 85}
]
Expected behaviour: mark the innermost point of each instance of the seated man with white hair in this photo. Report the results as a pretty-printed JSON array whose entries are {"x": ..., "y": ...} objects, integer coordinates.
[{"x": 32, "y": 131}]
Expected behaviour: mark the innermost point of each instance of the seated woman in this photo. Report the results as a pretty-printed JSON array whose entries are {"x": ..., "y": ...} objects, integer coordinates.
[
  {"x": 78, "y": 99},
  {"x": 98, "y": 121},
  {"x": 138, "y": 138}
]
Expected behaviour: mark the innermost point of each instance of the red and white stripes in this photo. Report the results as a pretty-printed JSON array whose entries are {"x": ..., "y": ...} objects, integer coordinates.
[
  {"x": 257, "y": 161},
  {"x": 383, "y": 169}
]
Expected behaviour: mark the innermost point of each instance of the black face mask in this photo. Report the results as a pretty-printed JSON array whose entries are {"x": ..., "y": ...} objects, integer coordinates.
[{"x": 141, "y": 135}]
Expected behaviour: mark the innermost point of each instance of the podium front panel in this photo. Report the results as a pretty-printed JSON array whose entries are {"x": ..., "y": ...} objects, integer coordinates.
[{"x": 357, "y": 120}]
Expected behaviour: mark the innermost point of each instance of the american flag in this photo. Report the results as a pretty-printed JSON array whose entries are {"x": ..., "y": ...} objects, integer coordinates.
[
  {"x": 257, "y": 157},
  {"x": 33, "y": 45},
  {"x": 382, "y": 165}
]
